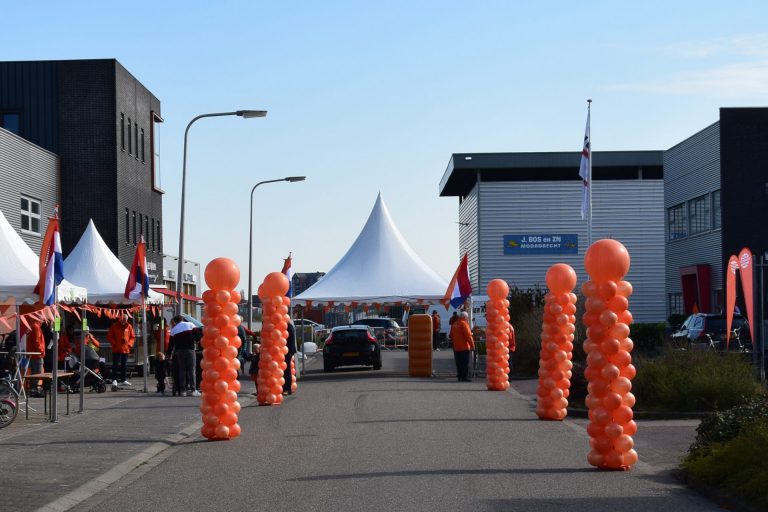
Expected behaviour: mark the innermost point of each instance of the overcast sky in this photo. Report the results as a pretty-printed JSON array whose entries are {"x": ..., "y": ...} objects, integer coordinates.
[{"x": 375, "y": 96}]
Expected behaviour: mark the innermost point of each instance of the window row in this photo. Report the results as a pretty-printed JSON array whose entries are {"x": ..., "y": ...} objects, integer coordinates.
[
  {"x": 140, "y": 225},
  {"x": 698, "y": 215},
  {"x": 135, "y": 136}
]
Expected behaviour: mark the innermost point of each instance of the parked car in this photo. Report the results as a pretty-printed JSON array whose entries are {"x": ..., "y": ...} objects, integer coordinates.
[
  {"x": 298, "y": 322},
  {"x": 695, "y": 328},
  {"x": 351, "y": 345},
  {"x": 392, "y": 329}
]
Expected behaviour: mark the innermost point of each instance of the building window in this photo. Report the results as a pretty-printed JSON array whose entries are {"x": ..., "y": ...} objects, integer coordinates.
[
  {"x": 11, "y": 122},
  {"x": 154, "y": 243},
  {"x": 141, "y": 226},
  {"x": 122, "y": 131},
  {"x": 717, "y": 216},
  {"x": 146, "y": 230},
  {"x": 142, "y": 145},
  {"x": 154, "y": 138},
  {"x": 699, "y": 214},
  {"x": 676, "y": 222},
  {"x": 133, "y": 219},
  {"x": 30, "y": 216},
  {"x": 130, "y": 146},
  {"x": 127, "y": 227},
  {"x": 136, "y": 138},
  {"x": 159, "y": 238},
  {"x": 675, "y": 303}
]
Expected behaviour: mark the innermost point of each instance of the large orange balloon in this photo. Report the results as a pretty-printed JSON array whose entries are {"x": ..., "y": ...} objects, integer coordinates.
[
  {"x": 275, "y": 285},
  {"x": 606, "y": 260},
  {"x": 560, "y": 278},
  {"x": 222, "y": 274},
  {"x": 498, "y": 289}
]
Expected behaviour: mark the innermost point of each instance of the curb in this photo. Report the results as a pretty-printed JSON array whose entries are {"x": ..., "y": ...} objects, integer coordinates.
[
  {"x": 101, "y": 482},
  {"x": 578, "y": 412},
  {"x": 721, "y": 498}
]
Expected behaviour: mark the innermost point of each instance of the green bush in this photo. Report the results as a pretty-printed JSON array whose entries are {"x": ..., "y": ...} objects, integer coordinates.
[
  {"x": 693, "y": 381},
  {"x": 722, "y": 426},
  {"x": 739, "y": 466},
  {"x": 648, "y": 338}
]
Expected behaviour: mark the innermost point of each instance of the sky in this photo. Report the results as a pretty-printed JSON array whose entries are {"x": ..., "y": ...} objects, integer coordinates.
[{"x": 369, "y": 97}]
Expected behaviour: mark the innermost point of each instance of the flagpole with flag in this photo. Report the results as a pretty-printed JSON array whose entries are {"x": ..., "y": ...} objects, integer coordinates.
[
  {"x": 585, "y": 172},
  {"x": 460, "y": 288},
  {"x": 138, "y": 287},
  {"x": 51, "y": 274}
]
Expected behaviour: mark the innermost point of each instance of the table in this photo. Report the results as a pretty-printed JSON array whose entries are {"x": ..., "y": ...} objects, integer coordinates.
[{"x": 49, "y": 377}]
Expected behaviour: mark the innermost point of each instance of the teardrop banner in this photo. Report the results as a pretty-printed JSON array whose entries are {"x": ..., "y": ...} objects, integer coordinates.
[
  {"x": 745, "y": 265},
  {"x": 730, "y": 296}
]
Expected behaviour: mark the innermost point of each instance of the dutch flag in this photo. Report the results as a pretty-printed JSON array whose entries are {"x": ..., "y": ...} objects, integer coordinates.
[
  {"x": 459, "y": 289},
  {"x": 138, "y": 280},
  {"x": 51, "y": 264},
  {"x": 289, "y": 274}
]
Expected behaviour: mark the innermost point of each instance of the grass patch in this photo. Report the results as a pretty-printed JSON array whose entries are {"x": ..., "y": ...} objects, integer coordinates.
[{"x": 689, "y": 381}]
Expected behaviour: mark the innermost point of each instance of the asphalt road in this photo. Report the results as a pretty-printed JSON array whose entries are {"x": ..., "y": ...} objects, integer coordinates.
[{"x": 378, "y": 440}]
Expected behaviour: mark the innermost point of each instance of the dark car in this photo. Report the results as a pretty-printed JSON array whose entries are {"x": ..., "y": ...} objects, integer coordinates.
[
  {"x": 351, "y": 345},
  {"x": 698, "y": 325},
  {"x": 386, "y": 329}
]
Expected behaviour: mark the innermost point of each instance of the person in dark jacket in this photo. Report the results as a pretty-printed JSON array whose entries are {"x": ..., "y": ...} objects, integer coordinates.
[
  {"x": 291, "y": 343},
  {"x": 182, "y": 348}
]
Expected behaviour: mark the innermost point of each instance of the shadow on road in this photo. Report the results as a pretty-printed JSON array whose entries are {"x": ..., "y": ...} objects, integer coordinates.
[
  {"x": 447, "y": 420},
  {"x": 444, "y": 472}
]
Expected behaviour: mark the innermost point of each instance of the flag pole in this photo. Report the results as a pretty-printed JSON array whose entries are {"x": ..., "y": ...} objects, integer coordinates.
[
  {"x": 589, "y": 179},
  {"x": 55, "y": 356},
  {"x": 144, "y": 341}
]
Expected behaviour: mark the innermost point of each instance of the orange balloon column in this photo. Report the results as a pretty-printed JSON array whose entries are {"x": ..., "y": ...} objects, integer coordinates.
[
  {"x": 497, "y": 336},
  {"x": 557, "y": 343},
  {"x": 294, "y": 385},
  {"x": 274, "y": 332},
  {"x": 609, "y": 364},
  {"x": 220, "y": 343}
]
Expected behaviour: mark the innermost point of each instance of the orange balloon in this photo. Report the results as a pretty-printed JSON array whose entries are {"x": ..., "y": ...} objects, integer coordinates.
[
  {"x": 606, "y": 260},
  {"x": 222, "y": 274},
  {"x": 498, "y": 289},
  {"x": 561, "y": 278},
  {"x": 275, "y": 285}
]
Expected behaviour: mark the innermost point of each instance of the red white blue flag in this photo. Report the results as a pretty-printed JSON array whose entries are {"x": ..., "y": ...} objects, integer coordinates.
[
  {"x": 459, "y": 289},
  {"x": 586, "y": 155},
  {"x": 138, "y": 279},
  {"x": 289, "y": 274},
  {"x": 51, "y": 263}
]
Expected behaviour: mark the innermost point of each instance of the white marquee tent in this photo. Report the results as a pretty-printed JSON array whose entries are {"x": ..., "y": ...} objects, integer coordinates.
[
  {"x": 19, "y": 270},
  {"x": 98, "y": 269},
  {"x": 380, "y": 267}
]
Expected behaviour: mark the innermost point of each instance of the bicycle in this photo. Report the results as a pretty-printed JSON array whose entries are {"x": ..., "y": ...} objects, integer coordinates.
[
  {"x": 9, "y": 394},
  {"x": 743, "y": 347}
]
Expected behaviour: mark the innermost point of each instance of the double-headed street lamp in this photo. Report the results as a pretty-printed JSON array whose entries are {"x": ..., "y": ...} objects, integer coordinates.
[
  {"x": 290, "y": 179},
  {"x": 245, "y": 114}
]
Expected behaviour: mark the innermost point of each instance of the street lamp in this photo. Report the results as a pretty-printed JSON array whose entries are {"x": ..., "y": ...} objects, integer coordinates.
[
  {"x": 290, "y": 179},
  {"x": 245, "y": 114}
]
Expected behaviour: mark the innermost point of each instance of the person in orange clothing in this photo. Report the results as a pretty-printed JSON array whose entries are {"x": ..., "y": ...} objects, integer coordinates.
[
  {"x": 121, "y": 336},
  {"x": 66, "y": 342},
  {"x": 35, "y": 343},
  {"x": 435, "y": 329},
  {"x": 463, "y": 343}
]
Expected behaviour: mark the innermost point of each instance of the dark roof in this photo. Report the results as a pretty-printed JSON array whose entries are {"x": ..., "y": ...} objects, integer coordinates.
[{"x": 461, "y": 174}]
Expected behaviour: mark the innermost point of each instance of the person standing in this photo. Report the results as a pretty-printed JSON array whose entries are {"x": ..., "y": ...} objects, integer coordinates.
[
  {"x": 291, "y": 344},
  {"x": 35, "y": 343},
  {"x": 435, "y": 330},
  {"x": 182, "y": 349},
  {"x": 66, "y": 344},
  {"x": 122, "y": 337},
  {"x": 454, "y": 317},
  {"x": 463, "y": 343}
]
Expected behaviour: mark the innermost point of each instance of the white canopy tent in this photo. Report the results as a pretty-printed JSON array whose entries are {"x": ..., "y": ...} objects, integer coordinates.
[
  {"x": 380, "y": 267},
  {"x": 95, "y": 266},
  {"x": 19, "y": 270}
]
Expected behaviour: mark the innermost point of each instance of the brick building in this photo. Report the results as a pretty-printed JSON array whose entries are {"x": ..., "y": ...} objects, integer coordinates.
[{"x": 103, "y": 125}]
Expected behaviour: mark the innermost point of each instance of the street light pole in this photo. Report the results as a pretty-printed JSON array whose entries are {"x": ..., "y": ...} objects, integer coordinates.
[
  {"x": 245, "y": 114},
  {"x": 290, "y": 179}
]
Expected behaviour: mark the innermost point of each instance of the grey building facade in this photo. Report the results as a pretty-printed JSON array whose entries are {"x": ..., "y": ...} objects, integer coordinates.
[
  {"x": 30, "y": 187},
  {"x": 103, "y": 125},
  {"x": 519, "y": 213}
]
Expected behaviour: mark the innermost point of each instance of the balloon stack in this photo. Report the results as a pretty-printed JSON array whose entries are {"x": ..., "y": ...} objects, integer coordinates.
[
  {"x": 294, "y": 386},
  {"x": 609, "y": 364},
  {"x": 497, "y": 336},
  {"x": 274, "y": 332},
  {"x": 220, "y": 343},
  {"x": 557, "y": 333}
]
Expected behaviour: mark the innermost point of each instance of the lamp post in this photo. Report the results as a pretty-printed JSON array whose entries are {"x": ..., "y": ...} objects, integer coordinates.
[
  {"x": 245, "y": 114},
  {"x": 290, "y": 179}
]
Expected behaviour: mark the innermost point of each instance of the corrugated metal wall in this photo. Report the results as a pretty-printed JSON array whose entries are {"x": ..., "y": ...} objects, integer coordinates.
[
  {"x": 29, "y": 170},
  {"x": 468, "y": 234},
  {"x": 692, "y": 169},
  {"x": 631, "y": 211}
]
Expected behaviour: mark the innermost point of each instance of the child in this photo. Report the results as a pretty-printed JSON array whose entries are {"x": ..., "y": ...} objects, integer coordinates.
[
  {"x": 253, "y": 371},
  {"x": 160, "y": 372}
]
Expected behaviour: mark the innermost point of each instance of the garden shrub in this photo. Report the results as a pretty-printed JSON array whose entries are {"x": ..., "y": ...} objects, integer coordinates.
[
  {"x": 723, "y": 425},
  {"x": 648, "y": 338},
  {"x": 693, "y": 381}
]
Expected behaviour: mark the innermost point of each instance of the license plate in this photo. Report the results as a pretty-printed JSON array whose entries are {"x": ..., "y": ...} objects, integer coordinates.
[{"x": 351, "y": 354}]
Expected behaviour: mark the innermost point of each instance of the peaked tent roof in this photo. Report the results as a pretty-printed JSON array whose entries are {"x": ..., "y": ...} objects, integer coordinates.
[
  {"x": 379, "y": 267},
  {"x": 96, "y": 267},
  {"x": 19, "y": 270}
]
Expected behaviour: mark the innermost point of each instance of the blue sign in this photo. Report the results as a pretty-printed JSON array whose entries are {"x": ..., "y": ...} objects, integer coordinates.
[{"x": 541, "y": 244}]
